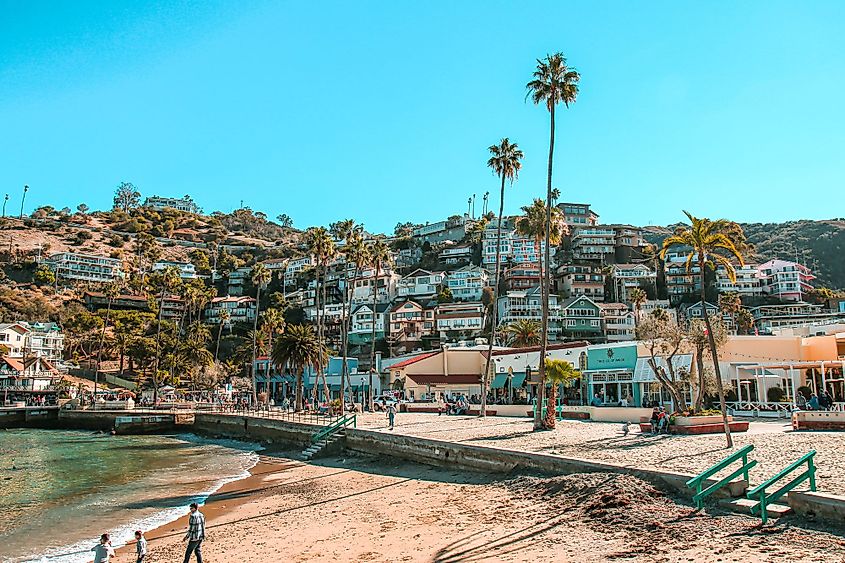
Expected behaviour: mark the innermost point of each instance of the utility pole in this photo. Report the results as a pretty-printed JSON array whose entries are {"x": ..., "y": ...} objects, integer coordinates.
[
  {"x": 473, "y": 206},
  {"x": 4, "y": 204},
  {"x": 25, "y": 189},
  {"x": 469, "y": 206},
  {"x": 486, "y": 197}
]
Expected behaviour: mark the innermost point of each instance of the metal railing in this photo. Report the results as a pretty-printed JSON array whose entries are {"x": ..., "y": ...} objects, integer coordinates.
[
  {"x": 697, "y": 482},
  {"x": 759, "y": 409},
  {"x": 759, "y": 492},
  {"x": 334, "y": 428}
]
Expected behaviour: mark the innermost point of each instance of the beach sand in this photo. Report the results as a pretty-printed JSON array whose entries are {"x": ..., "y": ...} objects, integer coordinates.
[{"x": 360, "y": 509}]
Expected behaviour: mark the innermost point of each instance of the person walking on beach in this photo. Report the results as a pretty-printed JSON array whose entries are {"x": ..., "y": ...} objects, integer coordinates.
[
  {"x": 140, "y": 546},
  {"x": 391, "y": 415},
  {"x": 103, "y": 551},
  {"x": 196, "y": 533}
]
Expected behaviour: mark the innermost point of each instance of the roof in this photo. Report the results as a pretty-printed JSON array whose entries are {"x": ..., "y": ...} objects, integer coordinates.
[
  {"x": 432, "y": 378},
  {"x": 232, "y": 299},
  {"x": 17, "y": 327},
  {"x": 401, "y": 304},
  {"x": 413, "y": 360},
  {"x": 562, "y": 346},
  {"x": 572, "y": 300},
  {"x": 418, "y": 272},
  {"x": 380, "y": 307}
]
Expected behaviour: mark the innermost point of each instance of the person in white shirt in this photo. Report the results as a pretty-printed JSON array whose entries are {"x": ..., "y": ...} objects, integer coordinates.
[
  {"x": 103, "y": 551},
  {"x": 140, "y": 546}
]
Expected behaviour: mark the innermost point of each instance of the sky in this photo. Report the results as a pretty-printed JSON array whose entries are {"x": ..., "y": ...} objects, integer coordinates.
[{"x": 383, "y": 111}]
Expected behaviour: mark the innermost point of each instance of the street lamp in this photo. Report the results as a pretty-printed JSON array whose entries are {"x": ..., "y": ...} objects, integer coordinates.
[
  {"x": 5, "y": 199},
  {"x": 25, "y": 189}
]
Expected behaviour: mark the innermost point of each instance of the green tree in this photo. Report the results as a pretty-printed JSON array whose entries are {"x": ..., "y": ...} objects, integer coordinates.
[
  {"x": 82, "y": 208},
  {"x": 260, "y": 276},
  {"x": 505, "y": 161},
  {"x": 637, "y": 297},
  {"x": 355, "y": 252},
  {"x": 44, "y": 275},
  {"x": 298, "y": 348},
  {"x": 445, "y": 296},
  {"x": 711, "y": 244},
  {"x": 112, "y": 291},
  {"x": 166, "y": 282},
  {"x": 744, "y": 321},
  {"x": 126, "y": 196},
  {"x": 522, "y": 333},
  {"x": 285, "y": 220},
  {"x": 553, "y": 83},
  {"x": 557, "y": 372},
  {"x": 323, "y": 249}
]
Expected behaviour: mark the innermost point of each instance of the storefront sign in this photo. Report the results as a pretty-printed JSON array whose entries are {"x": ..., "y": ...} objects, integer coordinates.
[{"x": 620, "y": 357}]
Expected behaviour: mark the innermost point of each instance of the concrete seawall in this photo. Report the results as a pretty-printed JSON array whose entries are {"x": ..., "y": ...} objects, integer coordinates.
[{"x": 253, "y": 429}]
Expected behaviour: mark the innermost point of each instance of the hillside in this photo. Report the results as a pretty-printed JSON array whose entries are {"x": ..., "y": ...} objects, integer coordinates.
[{"x": 818, "y": 244}]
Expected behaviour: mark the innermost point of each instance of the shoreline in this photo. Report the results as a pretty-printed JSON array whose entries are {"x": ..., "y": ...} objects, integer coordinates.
[{"x": 223, "y": 501}]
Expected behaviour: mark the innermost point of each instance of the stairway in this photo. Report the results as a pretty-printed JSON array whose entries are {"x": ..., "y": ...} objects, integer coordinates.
[
  {"x": 314, "y": 449},
  {"x": 746, "y": 505}
]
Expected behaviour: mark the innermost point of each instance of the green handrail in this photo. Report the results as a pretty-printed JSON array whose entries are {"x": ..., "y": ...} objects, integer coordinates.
[
  {"x": 334, "y": 427},
  {"x": 759, "y": 492},
  {"x": 544, "y": 408},
  {"x": 697, "y": 482}
]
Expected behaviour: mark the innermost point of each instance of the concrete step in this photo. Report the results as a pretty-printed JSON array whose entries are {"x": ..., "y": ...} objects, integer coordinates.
[{"x": 744, "y": 506}]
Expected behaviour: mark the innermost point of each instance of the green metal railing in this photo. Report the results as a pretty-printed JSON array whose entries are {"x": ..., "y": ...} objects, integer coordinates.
[
  {"x": 558, "y": 408},
  {"x": 697, "y": 482},
  {"x": 759, "y": 492},
  {"x": 334, "y": 427}
]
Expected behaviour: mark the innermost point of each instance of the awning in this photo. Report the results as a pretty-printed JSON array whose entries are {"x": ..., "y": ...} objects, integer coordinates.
[
  {"x": 643, "y": 371},
  {"x": 499, "y": 381},
  {"x": 518, "y": 380}
]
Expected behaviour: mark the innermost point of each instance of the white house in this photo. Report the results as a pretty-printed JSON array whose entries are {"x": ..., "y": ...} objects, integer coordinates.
[
  {"x": 748, "y": 282},
  {"x": 240, "y": 309},
  {"x": 788, "y": 281},
  {"x": 296, "y": 266},
  {"x": 455, "y": 254},
  {"x": 628, "y": 276},
  {"x": 186, "y": 270},
  {"x": 26, "y": 374},
  {"x": 420, "y": 283},
  {"x": 45, "y": 340},
  {"x": 617, "y": 322},
  {"x": 14, "y": 336},
  {"x": 459, "y": 317},
  {"x": 85, "y": 267},
  {"x": 185, "y": 203},
  {"x": 361, "y": 327},
  {"x": 528, "y": 305},
  {"x": 363, "y": 290},
  {"x": 467, "y": 283},
  {"x": 514, "y": 248}
]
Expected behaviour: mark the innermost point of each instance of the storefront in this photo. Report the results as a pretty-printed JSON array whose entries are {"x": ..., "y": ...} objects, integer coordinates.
[
  {"x": 650, "y": 392},
  {"x": 610, "y": 374}
]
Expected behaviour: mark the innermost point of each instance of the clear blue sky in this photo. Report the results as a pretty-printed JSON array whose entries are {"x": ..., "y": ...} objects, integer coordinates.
[{"x": 383, "y": 111}]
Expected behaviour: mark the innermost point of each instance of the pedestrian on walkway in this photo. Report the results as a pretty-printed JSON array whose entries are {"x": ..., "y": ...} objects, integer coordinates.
[
  {"x": 196, "y": 533},
  {"x": 391, "y": 415}
]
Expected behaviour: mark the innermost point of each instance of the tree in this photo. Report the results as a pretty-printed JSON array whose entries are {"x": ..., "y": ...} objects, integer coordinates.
[
  {"x": 744, "y": 321},
  {"x": 522, "y": 333},
  {"x": 82, "y": 208},
  {"x": 168, "y": 280},
  {"x": 358, "y": 253},
  {"x": 445, "y": 296},
  {"x": 664, "y": 339},
  {"x": 379, "y": 254},
  {"x": 260, "y": 276},
  {"x": 299, "y": 348},
  {"x": 126, "y": 196},
  {"x": 729, "y": 304},
  {"x": 112, "y": 291},
  {"x": 505, "y": 161},
  {"x": 223, "y": 321},
  {"x": 712, "y": 244},
  {"x": 44, "y": 275},
  {"x": 558, "y": 372},
  {"x": 285, "y": 220},
  {"x": 637, "y": 297},
  {"x": 322, "y": 248},
  {"x": 698, "y": 336},
  {"x": 552, "y": 84},
  {"x": 402, "y": 230}
]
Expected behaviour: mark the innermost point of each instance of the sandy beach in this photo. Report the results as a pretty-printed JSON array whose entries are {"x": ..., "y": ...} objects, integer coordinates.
[{"x": 362, "y": 509}]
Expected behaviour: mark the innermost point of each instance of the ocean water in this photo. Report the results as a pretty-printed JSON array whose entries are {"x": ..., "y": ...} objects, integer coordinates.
[{"x": 59, "y": 490}]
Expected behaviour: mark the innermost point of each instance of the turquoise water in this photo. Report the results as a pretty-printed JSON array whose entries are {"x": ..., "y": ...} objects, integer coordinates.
[{"x": 59, "y": 490}]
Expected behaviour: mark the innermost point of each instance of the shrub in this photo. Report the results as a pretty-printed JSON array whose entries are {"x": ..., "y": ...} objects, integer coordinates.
[{"x": 775, "y": 394}]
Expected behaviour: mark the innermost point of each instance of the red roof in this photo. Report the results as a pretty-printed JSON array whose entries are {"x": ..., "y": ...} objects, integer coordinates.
[
  {"x": 562, "y": 346},
  {"x": 413, "y": 360},
  {"x": 432, "y": 378}
]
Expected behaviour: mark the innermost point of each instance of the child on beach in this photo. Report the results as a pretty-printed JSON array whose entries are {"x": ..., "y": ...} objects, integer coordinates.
[
  {"x": 140, "y": 546},
  {"x": 103, "y": 551}
]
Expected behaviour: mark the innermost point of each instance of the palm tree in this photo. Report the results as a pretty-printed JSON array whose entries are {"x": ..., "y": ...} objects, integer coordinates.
[
  {"x": 169, "y": 279},
  {"x": 261, "y": 276},
  {"x": 224, "y": 318},
  {"x": 505, "y": 161},
  {"x": 744, "y": 320},
  {"x": 379, "y": 255},
  {"x": 710, "y": 243},
  {"x": 557, "y": 372},
  {"x": 112, "y": 291},
  {"x": 637, "y": 297},
  {"x": 298, "y": 348},
  {"x": 272, "y": 323},
  {"x": 533, "y": 225},
  {"x": 730, "y": 303},
  {"x": 321, "y": 246},
  {"x": 357, "y": 252},
  {"x": 553, "y": 83},
  {"x": 522, "y": 333}
]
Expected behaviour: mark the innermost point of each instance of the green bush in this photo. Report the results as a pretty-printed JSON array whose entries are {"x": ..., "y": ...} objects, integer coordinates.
[{"x": 775, "y": 394}]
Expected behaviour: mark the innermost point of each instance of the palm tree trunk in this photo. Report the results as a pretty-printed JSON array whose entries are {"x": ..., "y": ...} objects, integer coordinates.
[
  {"x": 158, "y": 346},
  {"x": 219, "y": 336},
  {"x": 699, "y": 366},
  {"x": 254, "y": 333},
  {"x": 346, "y": 319},
  {"x": 551, "y": 413},
  {"x": 325, "y": 384},
  {"x": 373, "y": 345},
  {"x": 100, "y": 352},
  {"x": 544, "y": 336},
  {"x": 300, "y": 371},
  {"x": 715, "y": 353},
  {"x": 494, "y": 306}
]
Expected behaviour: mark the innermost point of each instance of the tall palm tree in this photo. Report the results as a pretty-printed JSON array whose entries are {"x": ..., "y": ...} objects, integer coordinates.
[
  {"x": 557, "y": 372},
  {"x": 357, "y": 252},
  {"x": 522, "y": 333},
  {"x": 224, "y": 318},
  {"x": 533, "y": 225},
  {"x": 169, "y": 280},
  {"x": 272, "y": 323},
  {"x": 112, "y": 291},
  {"x": 298, "y": 348},
  {"x": 730, "y": 303},
  {"x": 379, "y": 254},
  {"x": 322, "y": 247},
  {"x": 505, "y": 161},
  {"x": 710, "y": 244},
  {"x": 261, "y": 276},
  {"x": 637, "y": 297},
  {"x": 553, "y": 83}
]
